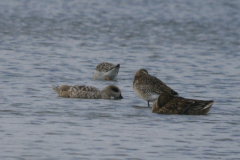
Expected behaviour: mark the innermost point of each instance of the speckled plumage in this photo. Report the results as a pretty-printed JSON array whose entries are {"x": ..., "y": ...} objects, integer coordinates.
[
  {"x": 149, "y": 87},
  {"x": 106, "y": 70},
  {"x": 170, "y": 104},
  {"x": 88, "y": 92}
]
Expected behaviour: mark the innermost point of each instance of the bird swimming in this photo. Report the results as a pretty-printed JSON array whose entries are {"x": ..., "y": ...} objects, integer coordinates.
[
  {"x": 170, "y": 104},
  {"x": 88, "y": 92}
]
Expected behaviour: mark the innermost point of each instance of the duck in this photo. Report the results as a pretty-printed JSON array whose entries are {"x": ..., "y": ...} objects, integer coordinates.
[
  {"x": 88, "y": 92},
  {"x": 170, "y": 104},
  {"x": 148, "y": 87},
  {"x": 106, "y": 71}
]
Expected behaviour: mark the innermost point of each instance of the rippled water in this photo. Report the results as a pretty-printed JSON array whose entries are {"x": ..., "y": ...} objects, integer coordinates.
[{"x": 192, "y": 46}]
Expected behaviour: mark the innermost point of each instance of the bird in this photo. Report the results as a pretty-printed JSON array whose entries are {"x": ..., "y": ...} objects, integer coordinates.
[
  {"x": 170, "y": 104},
  {"x": 106, "y": 71},
  {"x": 88, "y": 92},
  {"x": 149, "y": 87}
]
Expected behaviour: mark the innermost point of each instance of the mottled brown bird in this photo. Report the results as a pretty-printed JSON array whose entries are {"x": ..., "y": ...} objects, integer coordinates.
[
  {"x": 88, "y": 92},
  {"x": 149, "y": 87},
  {"x": 170, "y": 104}
]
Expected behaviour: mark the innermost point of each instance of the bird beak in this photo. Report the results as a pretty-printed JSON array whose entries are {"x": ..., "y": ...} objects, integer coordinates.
[{"x": 120, "y": 97}]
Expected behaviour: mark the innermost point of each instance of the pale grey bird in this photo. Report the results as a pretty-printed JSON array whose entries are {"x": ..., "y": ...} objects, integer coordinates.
[{"x": 106, "y": 71}]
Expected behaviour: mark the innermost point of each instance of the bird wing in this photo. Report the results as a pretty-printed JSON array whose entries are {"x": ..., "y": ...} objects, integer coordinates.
[
  {"x": 105, "y": 67},
  {"x": 83, "y": 89},
  {"x": 158, "y": 87}
]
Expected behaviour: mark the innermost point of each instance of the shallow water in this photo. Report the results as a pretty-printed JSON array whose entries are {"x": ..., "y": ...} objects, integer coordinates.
[{"x": 192, "y": 46}]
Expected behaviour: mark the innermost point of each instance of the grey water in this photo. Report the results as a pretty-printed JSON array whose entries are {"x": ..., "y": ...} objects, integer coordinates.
[{"x": 192, "y": 46}]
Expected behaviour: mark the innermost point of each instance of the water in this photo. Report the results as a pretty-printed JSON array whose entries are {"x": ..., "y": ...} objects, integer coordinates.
[{"x": 192, "y": 46}]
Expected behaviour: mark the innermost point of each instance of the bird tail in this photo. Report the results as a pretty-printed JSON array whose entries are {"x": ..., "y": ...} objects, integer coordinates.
[
  {"x": 207, "y": 107},
  {"x": 55, "y": 88}
]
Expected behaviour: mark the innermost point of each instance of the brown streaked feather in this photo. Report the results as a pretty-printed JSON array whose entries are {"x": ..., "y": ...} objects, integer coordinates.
[
  {"x": 158, "y": 86},
  {"x": 169, "y": 104},
  {"x": 150, "y": 84},
  {"x": 105, "y": 66},
  {"x": 88, "y": 92},
  {"x": 85, "y": 92}
]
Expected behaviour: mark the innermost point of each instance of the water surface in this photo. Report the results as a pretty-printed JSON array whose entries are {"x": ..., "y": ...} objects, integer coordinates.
[{"x": 192, "y": 46}]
